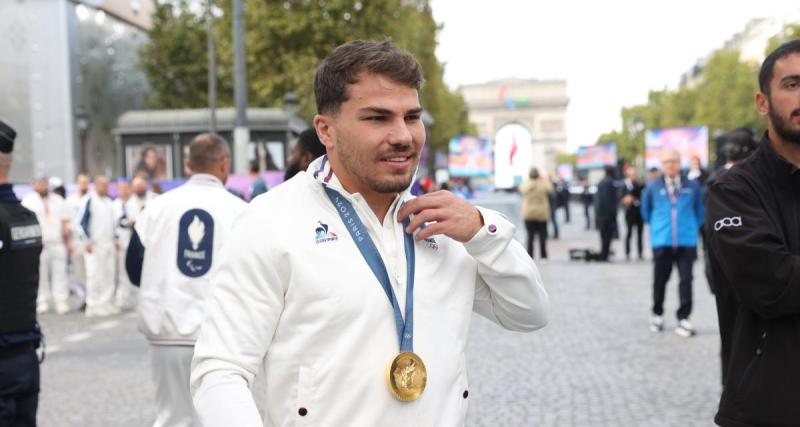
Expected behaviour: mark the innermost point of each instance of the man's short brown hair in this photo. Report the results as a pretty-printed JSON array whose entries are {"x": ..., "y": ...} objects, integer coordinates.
[
  {"x": 206, "y": 151},
  {"x": 342, "y": 66}
]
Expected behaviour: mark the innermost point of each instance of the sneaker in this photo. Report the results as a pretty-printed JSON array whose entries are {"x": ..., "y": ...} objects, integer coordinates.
[
  {"x": 42, "y": 308},
  {"x": 685, "y": 328},
  {"x": 656, "y": 323},
  {"x": 62, "y": 307}
]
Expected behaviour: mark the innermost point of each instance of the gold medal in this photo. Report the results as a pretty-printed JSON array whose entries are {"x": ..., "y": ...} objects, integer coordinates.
[{"x": 406, "y": 376}]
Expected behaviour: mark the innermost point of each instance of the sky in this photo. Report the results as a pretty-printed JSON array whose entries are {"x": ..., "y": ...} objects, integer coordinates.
[{"x": 611, "y": 53}]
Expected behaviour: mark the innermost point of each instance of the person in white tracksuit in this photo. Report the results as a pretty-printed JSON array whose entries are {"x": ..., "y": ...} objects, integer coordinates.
[
  {"x": 355, "y": 297},
  {"x": 139, "y": 199},
  {"x": 124, "y": 296},
  {"x": 53, "y": 218},
  {"x": 97, "y": 227},
  {"x": 75, "y": 248},
  {"x": 188, "y": 224}
]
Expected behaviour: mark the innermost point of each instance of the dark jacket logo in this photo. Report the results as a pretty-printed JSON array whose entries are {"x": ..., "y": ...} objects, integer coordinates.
[{"x": 195, "y": 242}]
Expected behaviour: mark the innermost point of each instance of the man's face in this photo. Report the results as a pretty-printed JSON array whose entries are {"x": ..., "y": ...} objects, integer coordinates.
[
  {"x": 139, "y": 186},
  {"x": 374, "y": 141},
  {"x": 782, "y": 105},
  {"x": 101, "y": 185},
  {"x": 124, "y": 190},
  {"x": 630, "y": 173},
  {"x": 83, "y": 183},
  {"x": 40, "y": 186},
  {"x": 671, "y": 165}
]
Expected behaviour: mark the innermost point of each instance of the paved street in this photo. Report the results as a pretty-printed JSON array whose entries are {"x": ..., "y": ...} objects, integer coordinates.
[{"x": 595, "y": 364}]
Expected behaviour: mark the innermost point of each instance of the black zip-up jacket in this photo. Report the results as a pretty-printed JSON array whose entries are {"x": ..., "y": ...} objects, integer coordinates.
[{"x": 753, "y": 221}]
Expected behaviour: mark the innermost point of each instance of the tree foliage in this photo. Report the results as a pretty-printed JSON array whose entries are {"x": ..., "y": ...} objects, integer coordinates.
[
  {"x": 285, "y": 41},
  {"x": 722, "y": 99}
]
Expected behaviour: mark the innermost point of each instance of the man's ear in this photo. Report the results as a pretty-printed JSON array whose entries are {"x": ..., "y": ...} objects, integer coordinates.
[
  {"x": 762, "y": 103},
  {"x": 325, "y": 130}
]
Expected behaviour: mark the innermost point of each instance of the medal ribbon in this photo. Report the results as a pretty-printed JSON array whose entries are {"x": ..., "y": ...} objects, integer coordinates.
[{"x": 405, "y": 329}]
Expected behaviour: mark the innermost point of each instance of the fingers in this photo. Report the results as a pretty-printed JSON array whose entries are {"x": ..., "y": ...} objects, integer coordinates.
[
  {"x": 414, "y": 206},
  {"x": 430, "y": 230},
  {"x": 426, "y": 216}
]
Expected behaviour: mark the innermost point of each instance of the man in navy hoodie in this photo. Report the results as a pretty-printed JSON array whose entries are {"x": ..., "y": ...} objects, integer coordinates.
[{"x": 673, "y": 208}]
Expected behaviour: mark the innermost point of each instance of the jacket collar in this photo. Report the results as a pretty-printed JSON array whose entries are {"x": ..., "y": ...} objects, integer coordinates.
[
  {"x": 204, "y": 179},
  {"x": 320, "y": 170},
  {"x": 7, "y": 194},
  {"x": 780, "y": 169}
]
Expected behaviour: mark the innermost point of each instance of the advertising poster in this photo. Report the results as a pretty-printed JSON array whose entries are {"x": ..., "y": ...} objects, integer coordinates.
[
  {"x": 153, "y": 162},
  {"x": 690, "y": 142},
  {"x": 469, "y": 156},
  {"x": 565, "y": 172},
  {"x": 596, "y": 156}
]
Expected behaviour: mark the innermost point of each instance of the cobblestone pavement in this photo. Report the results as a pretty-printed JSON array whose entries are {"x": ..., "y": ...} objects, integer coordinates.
[{"x": 595, "y": 364}]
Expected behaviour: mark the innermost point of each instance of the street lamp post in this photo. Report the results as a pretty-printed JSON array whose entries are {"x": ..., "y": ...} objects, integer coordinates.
[
  {"x": 82, "y": 124},
  {"x": 241, "y": 133},
  {"x": 290, "y": 104},
  {"x": 212, "y": 69}
]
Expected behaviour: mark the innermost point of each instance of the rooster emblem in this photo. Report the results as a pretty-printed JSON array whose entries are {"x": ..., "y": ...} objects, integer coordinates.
[{"x": 197, "y": 230}]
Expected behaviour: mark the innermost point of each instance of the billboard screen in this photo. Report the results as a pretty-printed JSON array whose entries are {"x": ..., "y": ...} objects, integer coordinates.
[
  {"x": 596, "y": 156},
  {"x": 469, "y": 156},
  {"x": 690, "y": 142}
]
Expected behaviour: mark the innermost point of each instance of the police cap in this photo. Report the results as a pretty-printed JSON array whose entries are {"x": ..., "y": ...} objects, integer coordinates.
[{"x": 7, "y": 136}]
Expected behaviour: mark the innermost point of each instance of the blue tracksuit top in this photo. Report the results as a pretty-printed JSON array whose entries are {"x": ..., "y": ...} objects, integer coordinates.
[{"x": 666, "y": 229}]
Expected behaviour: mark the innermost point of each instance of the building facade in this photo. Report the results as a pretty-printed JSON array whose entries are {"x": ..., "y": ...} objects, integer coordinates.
[
  {"x": 68, "y": 69},
  {"x": 525, "y": 119}
]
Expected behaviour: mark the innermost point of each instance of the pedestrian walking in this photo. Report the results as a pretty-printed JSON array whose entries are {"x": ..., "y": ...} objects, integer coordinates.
[
  {"x": 76, "y": 248},
  {"x": 536, "y": 210},
  {"x": 754, "y": 242},
  {"x": 605, "y": 212},
  {"x": 673, "y": 209},
  {"x": 632, "y": 201},
  {"x": 173, "y": 253},
  {"x": 357, "y": 296},
  {"x": 587, "y": 199},
  {"x": 552, "y": 197},
  {"x": 53, "y": 218},
  {"x": 257, "y": 185},
  {"x": 124, "y": 296},
  {"x": 20, "y": 248},
  {"x": 97, "y": 227}
]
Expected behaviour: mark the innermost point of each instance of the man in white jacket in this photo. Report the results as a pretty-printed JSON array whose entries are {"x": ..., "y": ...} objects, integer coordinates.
[
  {"x": 53, "y": 218},
  {"x": 356, "y": 296},
  {"x": 124, "y": 296},
  {"x": 97, "y": 230},
  {"x": 172, "y": 253}
]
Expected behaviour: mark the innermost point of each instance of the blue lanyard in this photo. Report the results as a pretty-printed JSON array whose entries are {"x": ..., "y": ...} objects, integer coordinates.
[{"x": 405, "y": 330}]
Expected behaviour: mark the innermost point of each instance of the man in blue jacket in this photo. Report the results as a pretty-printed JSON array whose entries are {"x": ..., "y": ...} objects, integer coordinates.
[{"x": 673, "y": 208}]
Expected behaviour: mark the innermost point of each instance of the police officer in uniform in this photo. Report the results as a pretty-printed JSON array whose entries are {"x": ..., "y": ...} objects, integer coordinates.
[{"x": 20, "y": 247}]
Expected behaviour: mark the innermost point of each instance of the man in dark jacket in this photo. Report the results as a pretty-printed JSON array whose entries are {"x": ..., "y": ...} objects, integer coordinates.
[
  {"x": 754, "y": 236},
  {"x": 20, "y": 247},
  {"x": 605, "y": 211},
  {"x": 632, "y": 200}
]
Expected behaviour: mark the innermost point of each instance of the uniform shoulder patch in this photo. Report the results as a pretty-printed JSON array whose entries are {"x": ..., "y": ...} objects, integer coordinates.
[{"x": 195, "y": 242}]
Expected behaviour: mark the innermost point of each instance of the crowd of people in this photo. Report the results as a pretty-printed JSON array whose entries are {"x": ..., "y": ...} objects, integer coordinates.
[{"x": 314, "y": 280}]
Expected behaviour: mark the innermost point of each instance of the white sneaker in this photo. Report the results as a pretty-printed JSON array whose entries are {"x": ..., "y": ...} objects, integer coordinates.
[
  {"x": 42, "y": 308},
  {"x": 685, "y": 328},
  {"x": 62, "y": 308},
  {"x": 656, "y": 323}
]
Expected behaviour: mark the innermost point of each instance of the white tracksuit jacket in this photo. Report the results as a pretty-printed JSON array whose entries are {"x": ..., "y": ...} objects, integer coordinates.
[
  {"x": 182, "y": 232},
  {"x": 306, "y": 304}
]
